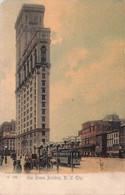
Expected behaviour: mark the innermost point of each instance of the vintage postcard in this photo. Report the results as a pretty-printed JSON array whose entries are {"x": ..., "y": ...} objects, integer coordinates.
[{"x": 62, "y": 101}]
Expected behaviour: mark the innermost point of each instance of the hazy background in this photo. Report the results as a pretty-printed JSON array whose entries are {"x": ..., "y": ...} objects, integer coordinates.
[{"x": 87, "y": 57}]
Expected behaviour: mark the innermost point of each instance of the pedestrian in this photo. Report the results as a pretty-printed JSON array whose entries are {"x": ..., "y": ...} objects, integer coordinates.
[
  {"x": 27, "y": 166},
  {"x": 5, "y": 159},
  {"x": 18, "y": 167},
  {"x": 101, "y": 163},
  {"x": 14, "y": 164},
  {"x": 1, "y": 161}
]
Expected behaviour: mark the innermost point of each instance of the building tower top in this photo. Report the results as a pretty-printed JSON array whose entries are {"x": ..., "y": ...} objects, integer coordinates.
[{"x": 31, "y": 14}]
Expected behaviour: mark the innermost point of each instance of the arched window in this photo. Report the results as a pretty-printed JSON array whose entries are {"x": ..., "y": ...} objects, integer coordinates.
[
  {"x": 43, "y": 54},
  {"x": 24, "y": 71},
  {"x": 31, "y": 62},
  {"x": 27, "y": 67},
  {"x": 35, "y": 55}
]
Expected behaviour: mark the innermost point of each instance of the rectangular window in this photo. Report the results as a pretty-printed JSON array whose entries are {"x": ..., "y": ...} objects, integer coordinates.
[
  {"x": 43, "y": 118},
  {"x": 43, "y": 126},
  {"x": 31, "y": 122},
  {"x": 43, "y": 140},
  {"x": 43, "y": 104},
  {"x": 43, "y": 97},
  {"x": 43, "y": 82},
  {"x": 43, "y": 89},
  {"x": 30, "y": 109},
  {"x": 43, "y": 133},
  {"x": 43, "y": 111},
  {"x": 43, "y": 75},
  {"x": 31, "y": 115}
]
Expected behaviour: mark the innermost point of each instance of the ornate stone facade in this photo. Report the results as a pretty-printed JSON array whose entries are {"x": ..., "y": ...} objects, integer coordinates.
[{"x": 32, "y": 79}]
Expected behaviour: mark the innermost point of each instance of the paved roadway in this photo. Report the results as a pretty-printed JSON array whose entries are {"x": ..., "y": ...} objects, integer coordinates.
[{"x": 88, "y": 165}]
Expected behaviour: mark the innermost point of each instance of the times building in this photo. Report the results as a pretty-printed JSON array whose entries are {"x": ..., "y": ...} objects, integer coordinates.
[{"x": 32, "y": 79}]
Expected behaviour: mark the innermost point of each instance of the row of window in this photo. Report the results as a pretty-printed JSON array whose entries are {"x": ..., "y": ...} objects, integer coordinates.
[
  {"x": 26, "y": 118},
  {"x": 31, "y": 135},
  {"x": 111, "y": 142},
  {"x": 28, "y": 67},
  {"x": 113, "y": 135},
  {"x": 113, "y": 149}
]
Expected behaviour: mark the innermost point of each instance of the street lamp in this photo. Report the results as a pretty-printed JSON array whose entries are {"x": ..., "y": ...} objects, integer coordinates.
[
  {"x": 46, "y": 152},
  {"x": 78, "y": 140},
  {"x": 65, "y": 141},
  {"x": 72, "y": 145},
  {"x": 39, "y": 148},
  {"x": 5, "y": 154},
  {"x": 57, "y": 159},
  {"x": 62, "y": 144}
]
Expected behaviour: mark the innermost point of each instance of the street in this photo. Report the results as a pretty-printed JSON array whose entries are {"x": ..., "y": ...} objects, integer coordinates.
[{"x": 87, "y": 165}]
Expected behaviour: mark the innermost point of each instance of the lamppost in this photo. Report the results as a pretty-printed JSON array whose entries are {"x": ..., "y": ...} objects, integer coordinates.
[
  {"x": 65, "y": 141},
  {"x": 46, "y": 155},
  {"x": 78, "y": 140},
  {"x": 57, "y": 159},
  {"x": 5, "y": 155},
  {"x": 72, "y": 145},
  {"x": 39, "y": 148}
]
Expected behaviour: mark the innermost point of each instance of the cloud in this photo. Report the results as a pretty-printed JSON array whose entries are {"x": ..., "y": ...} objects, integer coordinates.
[
  {"x": 64, "y": 88},
  {"x": 95, "y": 81}
]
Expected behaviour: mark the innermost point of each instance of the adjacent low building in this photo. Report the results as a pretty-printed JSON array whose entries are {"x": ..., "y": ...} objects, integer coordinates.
[
  {"x": 7, "y": 131},
  {"x": 122, "y": 141},
  {"x": 101, "y": 137},
  {"x": 113, "y": 144},
  {"x": 93, "y": 136}
]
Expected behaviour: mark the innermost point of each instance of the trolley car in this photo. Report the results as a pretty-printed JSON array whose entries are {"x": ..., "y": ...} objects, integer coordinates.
[{"x": 67, "y": 157}]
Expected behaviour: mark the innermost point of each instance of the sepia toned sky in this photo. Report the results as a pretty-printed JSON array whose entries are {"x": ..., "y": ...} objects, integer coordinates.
[{"x": 87, "y": 61}]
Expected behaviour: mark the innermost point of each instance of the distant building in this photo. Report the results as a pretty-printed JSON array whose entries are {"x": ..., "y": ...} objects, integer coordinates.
[
  {"x": 32, "y": 79},
  {"x": 93, "y": 136},
  {"x": 101, "y": 137},
  {"x": 113, "y": 143},
  {"x": 122, "y": 141},
  {"x": 8, "y": 133}
]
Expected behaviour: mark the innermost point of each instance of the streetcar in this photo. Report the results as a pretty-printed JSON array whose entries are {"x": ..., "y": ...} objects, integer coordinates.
[{"x": 67, "y": 157}]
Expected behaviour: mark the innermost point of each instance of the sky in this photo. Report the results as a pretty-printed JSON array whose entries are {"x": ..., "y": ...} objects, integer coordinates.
[{"x": 87, "y": 61}]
